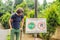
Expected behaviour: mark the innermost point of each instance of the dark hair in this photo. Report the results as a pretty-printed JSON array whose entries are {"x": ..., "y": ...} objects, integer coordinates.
[{"x": 20, "y": 10}]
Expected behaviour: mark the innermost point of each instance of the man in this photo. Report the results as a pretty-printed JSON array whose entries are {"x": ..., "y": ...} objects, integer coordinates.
[{"x": 14, "y": 23}]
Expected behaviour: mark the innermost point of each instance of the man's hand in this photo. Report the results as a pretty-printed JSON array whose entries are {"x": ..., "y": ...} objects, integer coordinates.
[{"x": 21, "y": 29}]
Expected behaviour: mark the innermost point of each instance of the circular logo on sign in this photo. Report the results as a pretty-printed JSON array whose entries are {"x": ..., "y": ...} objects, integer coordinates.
[
  {"x": 41, "y": 26},
  {"x": 31, "y": 25}
]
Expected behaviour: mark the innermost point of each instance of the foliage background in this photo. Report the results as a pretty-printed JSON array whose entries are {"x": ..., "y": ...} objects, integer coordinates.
[{"x": 49, "y": 11}]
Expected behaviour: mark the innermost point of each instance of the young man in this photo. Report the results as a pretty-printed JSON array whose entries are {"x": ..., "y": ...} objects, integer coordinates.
[{"x": 14, "y": 23}]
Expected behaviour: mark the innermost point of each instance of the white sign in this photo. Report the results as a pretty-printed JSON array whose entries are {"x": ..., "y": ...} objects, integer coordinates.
[{"x": 36, "y": 25}]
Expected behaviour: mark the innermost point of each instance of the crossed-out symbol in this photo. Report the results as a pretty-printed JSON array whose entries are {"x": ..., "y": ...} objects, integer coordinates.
[{"x": 41, "y": 25}]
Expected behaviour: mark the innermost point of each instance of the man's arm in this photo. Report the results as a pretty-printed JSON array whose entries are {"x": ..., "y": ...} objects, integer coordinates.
[
  {"x": 22, "y": 23},
  {"x": 10, "y": 21}
]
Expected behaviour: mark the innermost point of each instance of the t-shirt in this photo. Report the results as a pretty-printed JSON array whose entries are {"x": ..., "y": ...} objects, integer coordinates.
[{"x": 16, "y": 21}]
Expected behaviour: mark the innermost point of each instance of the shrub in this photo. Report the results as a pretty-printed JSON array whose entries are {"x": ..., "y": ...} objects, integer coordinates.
[
  {"x": 52, "y": 22},
  {"x": 8, "y": 37},
  {"x": 5, "y": 19}
]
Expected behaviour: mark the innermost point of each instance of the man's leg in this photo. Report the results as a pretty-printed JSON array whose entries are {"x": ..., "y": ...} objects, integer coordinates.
[
  {"x": 12, "y": 35},
  {"x": 18, "y": 34}
]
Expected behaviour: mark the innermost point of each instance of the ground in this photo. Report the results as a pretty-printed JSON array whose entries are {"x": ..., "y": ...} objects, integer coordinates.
[{"x": 4, "y": 32}]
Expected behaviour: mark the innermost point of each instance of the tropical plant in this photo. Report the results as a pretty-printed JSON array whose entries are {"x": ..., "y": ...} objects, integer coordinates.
[{"x": 5, "y": 20}]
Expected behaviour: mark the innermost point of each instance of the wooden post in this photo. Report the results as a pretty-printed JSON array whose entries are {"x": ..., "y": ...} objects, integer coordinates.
[
  {"x": 35, "y": 8},
  {"x": 35, "y": 35}
]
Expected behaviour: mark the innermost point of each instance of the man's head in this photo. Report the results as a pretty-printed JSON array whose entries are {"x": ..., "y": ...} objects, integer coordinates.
[{"x": 20, "y": 11}]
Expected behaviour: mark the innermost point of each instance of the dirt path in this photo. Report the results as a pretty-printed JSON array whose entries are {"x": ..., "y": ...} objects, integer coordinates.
[
  {"x": 29, "y": 37},
  {"x": 4, "y": 33}
]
